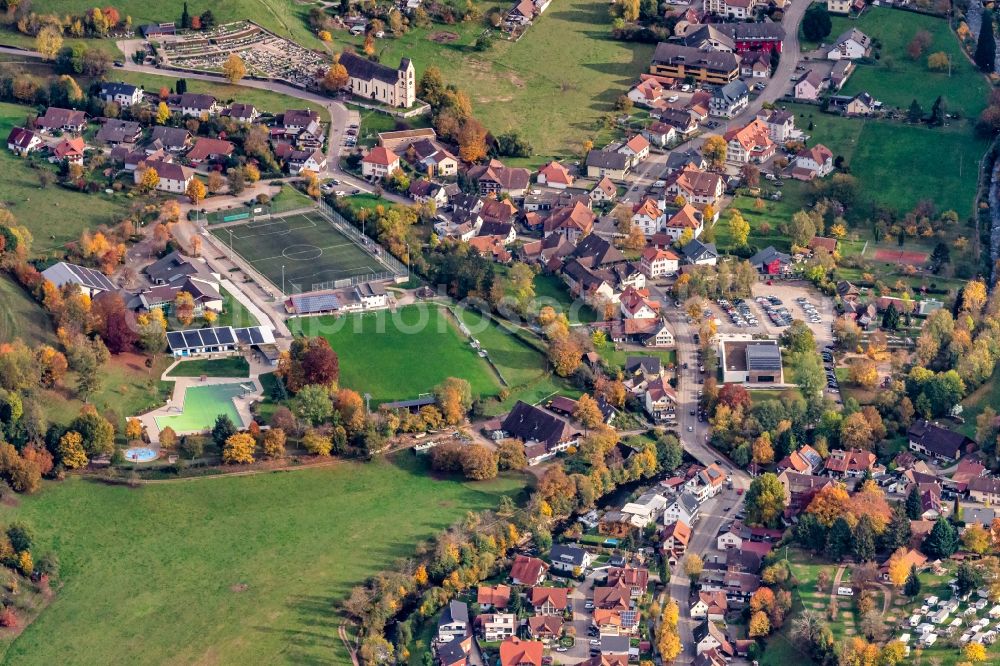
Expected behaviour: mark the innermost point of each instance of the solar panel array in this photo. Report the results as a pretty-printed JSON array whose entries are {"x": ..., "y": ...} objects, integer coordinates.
[
  {"x": 311, "y": 303},
  {"x": 763, "y": 357},
  {"x": 250, "y": 336},
  {"x": 201, "y": 337}
]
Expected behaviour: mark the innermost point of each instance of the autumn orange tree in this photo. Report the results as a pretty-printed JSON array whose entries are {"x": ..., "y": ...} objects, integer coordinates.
[
  {"x": 588, "y": 412},
  {"x": 234, "y": 69},
  {"x": 195, "y": 191},
  {"x": 274, "y": 443}
]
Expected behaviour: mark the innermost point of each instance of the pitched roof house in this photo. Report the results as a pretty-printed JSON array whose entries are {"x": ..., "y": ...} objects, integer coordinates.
[
  {"x": 496, "y": 178},
  {"x": 932, "y": 440},
  {"x": 528, "y": 570},
  {"x": 516, "y": 652},
  {"x": 851, "y": 463},
  {"x": 555, "y": 175},
  {"x": 66, "y": 120}
]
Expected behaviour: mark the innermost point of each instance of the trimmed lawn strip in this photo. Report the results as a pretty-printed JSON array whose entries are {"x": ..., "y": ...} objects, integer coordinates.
[
  {"x": 234, "y": 313},
  {"x": 235, "y": 366},
  {"x": 250, "y": 569}
]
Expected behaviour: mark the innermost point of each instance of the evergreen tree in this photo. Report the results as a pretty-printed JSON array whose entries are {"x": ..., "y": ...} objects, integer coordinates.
[
  {"x": 775, "y": 58},
  {"x": 897, "y": 532},
  {"x": 838, "y": 541},
  {"x": 785, "y": 444},
  {"x": 223, "y": 429},
  {"x": 182, "y": 86},
  {"x": 912, "y": 586},
  {"x": 957, "y": 514},
  {"x": 942, "y": 542},
  {"x": 185, "y": 17},
  {"x": 986, "y": 45},
  {"x": 816, "y": 23},
  {"x": 890, "y": 319},
  {"x": 913, "y": 507},
  {"x": 937, "y": 113},
  {"x": 810, "y": 533},
  {"x": 915, "y": 114},
  {"x": 864, "y": 540}
]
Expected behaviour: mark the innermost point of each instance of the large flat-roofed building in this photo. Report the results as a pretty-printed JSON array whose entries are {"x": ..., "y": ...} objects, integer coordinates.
[
  {"x": 679, "y": 62},
  {"x": 371, "y": 80},
  {"x": 750, "y": 361}
]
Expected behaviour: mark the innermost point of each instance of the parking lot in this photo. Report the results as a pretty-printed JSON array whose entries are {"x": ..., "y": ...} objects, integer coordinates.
[{"x": 820, "y": 308}]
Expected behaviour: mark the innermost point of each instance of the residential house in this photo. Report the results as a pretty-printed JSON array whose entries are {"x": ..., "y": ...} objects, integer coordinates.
[
  {"x": 90, "y": 281},
  {"x": 592, "y": 286},
  {"x": 593, "y": 251},
  {"x": 840, "y": 6},
  {"x": 496, "y": 626},
  {"x": 399, "y": 140},
  {"x": 379, "y": 163},
  {"x": 660, "y": 400},
  {"x": 688, "y": 218},
  {"x": 23, "y": 141},
  {"x": 522, "y": 13},
  {"x": 752, "y": 37},
  {"x": 660, "y": 133},
  {"x": 555, "y": 175},
  {"x": 815, "y": 162},
  {"x": 861, "y": 104},
  {"x": 495, "y": 178},
  {"x": 697, "y": 187},
  {"x": 729, "y": 100},
  {"x": 707, "y": 37},
  {"x": 454, "y": 622},
  {"x": 206, "y": 149},
  {"x": 932, "y": 440},
  {"x": 296, "y": 121},
  {"x": 682, "y": 121},
  {"x": 646, "y": 215},
  {"x": 423, "y": 190},
  {"x": 569, "y": 558},
  {"x": 604, "y": 191},
  {"x": 305, "y": 160},
  {"x": 68, "y": 150},
  {"x": 681, "y": 62},
  {"x": 505, "y": 231},
  {"x": 543, "y": 434},
  {"x": 607, "y": 164},
  {"x": 707, "y": 636},
  {"x": 545, "y": 627},
  {"x": 852, "y": 44},
  {"x": 380, "y": 83},
  {"x": 516, "y": 652},
  {"x": 910, "y": 557},
  {"x": 983, "y": 516},
  {"x": 817, "y": 243},
  {"x": 194, "y": 104},
  {"x": 61, "y": 120},
  {"x": 116, "y": 131},
  {"x": 171, "y": 268},
  {"x": 636, "y": 148},
  {"x": 850, "y": 464},
  {"x": 685, "y": 509},
  {"x": 780, "y": 124},
  {"x": 432, "y": 158},
  {"x": 170, "y": 139},
  {"x": 805, "y": 460},
  {"x": 676, "y": 537},
  {"x": 770, "y": 261},
  {"x": 810, "y": 86},
  {"x": 203, "y": 288},
  {"x": 636, "y": 579},
  {"x": 842, "y": 71},
  {"x": 751, "y": 143},
  {"x": 755, "y": 65},
  {"x": 700, "y": 254},
  {"x": 173, "y": 177},
  {"x": 707, "y": 483},
  {"x": 493, "y": 596},
  {"x": 122, "y": 94},
  {"x": 736, "y": 9},
  {"x": 549, "y": 600},
  {"x": 679, "y": 160},
  {"x": 242, "y": 113},
  {"x": 613, "y": 597},
  {"x": 454, "y": 653},
  {"x": 635, "y": 304},
  {"x": 646, "y": 93},
  {"x": 985, "y": 490},
  {"x": 656, "y": 262},
  {"x": 711, "y": 606},
  {"x": 528, "y": 571}
]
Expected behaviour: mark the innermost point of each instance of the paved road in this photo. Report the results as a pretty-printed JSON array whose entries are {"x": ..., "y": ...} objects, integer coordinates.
[{"x": 777, "y": 86}]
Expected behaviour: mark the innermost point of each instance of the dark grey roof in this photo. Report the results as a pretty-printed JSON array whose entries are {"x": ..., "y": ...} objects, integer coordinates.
[
  {"x": 568, "y": 554},
  {"x": 678, "y": 54},
  {"x": 528, "y": 423},
  {"x": 117, "y": 131},
  {"x": 647, "y": 364},
  {"x": 170, "y": 137},
  {"x": 763, "y": 357},
  {"x": 363, "y": 68},
  {"x": 406, "y": 404},
  {"x": 768, "y": 31},
  {"x": 708, "y": 33},
  {"x": 768, "y": 255},
  {"x": 597, "y": 251},
  {"x": 113, "y": 88},
  {"x": 614, "y": 645},
  {"x": 697, "y": 250},
  {"x": 938, "y": 440},
  {"x": 679, "y": 159},
  {"x": 451, "y": 652},
  {"x": 688, "y": 502},
  {"x": 196, "y": 100},
  {"x": 731, "y": 92},
  {"x": 65, "y": 273},
  {"x": 607, "y": 160},
  {"x": 369, "y": 289},
  {"x": 456, "y": 611},
  {"x": 172, "y": 267}
]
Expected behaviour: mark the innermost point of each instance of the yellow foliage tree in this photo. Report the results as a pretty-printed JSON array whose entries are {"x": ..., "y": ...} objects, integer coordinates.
[
  {"x": 938, "y": 62},
  {"x": 71, "y": 451},
  {"x": 763, "y": 451},
  {"x": 162, "y": 113},
  {"x": 48, "y": 41},
  {"x": 976, "y": 539},
  {"x": 899, "y": 569},
  {"x": 324, "y": 35},
  {"x": 317, "y": 443},
  {"x": 195, "y": 191},
  {"x": 133, "y": 429},
  {"x": 148, "y": 179},
  {"x": 759, "y": 625},
  {"x": 714, "y": 150},
  {"x": 739, "y": 228},
  {"x": 239, "y": 449},
  {"x": 274, "y": 443},
  {"x": 830, "y": 503},
  {"x": 974, "y": 652},
  {"x": 864, "y": 373},
  {"x": 234, "y": 69}
]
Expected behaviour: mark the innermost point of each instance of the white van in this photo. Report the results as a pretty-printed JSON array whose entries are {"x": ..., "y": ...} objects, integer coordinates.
[{"x": 845, "y": 591}]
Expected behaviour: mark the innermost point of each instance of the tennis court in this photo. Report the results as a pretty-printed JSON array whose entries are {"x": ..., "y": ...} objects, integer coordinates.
[{"x": 202, "y": 405}]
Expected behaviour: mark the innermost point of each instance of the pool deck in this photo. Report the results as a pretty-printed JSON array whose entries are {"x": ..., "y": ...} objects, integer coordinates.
[{"x": 181, "y": 385}]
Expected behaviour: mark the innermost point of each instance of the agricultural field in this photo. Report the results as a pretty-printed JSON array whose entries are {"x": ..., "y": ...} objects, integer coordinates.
[
  {"x": 54, "y": 215},
  {"x": 247, "y": 569},
  {"x": 896, "y": 79},
  {"x": 21, "y": 316},
  {"x": 553, "y": 85},
  {"x": 398, "y": 355}
]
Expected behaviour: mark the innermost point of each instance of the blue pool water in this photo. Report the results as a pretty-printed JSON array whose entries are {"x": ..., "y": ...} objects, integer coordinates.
[{"x": 140, "y": 454}]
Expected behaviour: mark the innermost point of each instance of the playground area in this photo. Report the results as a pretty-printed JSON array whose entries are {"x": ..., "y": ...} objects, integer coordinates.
[
  {"x": 202, "y": 405},
  {"x": 306, "y": 251}
]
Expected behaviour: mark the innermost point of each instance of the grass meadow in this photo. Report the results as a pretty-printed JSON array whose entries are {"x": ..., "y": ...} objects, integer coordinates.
[
  {"x": 21, "y": 316},
  {"x": 228, "y": 569}
]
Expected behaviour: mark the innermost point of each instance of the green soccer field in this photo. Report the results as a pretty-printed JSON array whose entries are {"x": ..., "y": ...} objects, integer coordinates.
[
  {"x": 299, "y": 253},
  {"x": 202, "y": 405}
]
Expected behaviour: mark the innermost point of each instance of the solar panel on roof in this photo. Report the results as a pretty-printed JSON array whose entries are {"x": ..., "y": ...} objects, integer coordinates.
[
  {"x": 243, "y": 335},
  {"x": 315, "y": 303},
  {"x": 209, "y": 336},
  {"x": 175, "y": 340},
  {"x": 225, "y": 335},
  {"x": 191, "y": 338},
  {"x": 255, "y": 335}
]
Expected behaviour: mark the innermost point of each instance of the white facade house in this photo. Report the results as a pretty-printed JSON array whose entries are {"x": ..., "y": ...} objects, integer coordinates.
[
  {"x": 497, "y": 626},
  {"x": 850, "y": 45},
  {"x": 123, "y": 94},
  {"x": 656, "y": 262},
  {"x": 174, "y": 178},
  {"x": 379, "y": 163}
]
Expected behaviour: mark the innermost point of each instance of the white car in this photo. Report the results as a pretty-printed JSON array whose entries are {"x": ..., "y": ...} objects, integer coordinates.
[
  {"x": 672, "y": 99},
  {"x": 845, "y": 591}
]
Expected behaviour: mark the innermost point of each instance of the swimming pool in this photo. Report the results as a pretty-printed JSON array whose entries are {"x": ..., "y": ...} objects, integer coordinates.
[
  {"x": 202, "y": 405},
  {"x": 140, "y": 454}
]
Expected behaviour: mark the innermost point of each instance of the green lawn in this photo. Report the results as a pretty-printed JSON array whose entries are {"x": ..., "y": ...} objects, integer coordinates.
[
  {"x": 552, "y": 86},
  {"x": 987, "y": 395},
  {"x": 234, "y": 313},
  {"x": 552, "y": 291},
  {"x": 234, "y": 366},
  {"x": 54, "y": 215},
  {"x": 373, "y": 122},
  {"x": 795, "y": 197},
  {"x": 618, "y": 357},
  {"x": 398, "y": 355},
  {"x": 228, "y": 570},
  {"x": 21, "y": 316},
  {"x": 897, "y": 79}
]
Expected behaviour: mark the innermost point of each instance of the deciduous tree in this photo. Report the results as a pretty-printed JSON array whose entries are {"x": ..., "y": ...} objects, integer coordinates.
[
  {"x": 234, "y": 69},
  {"x": 238, "y": 449}
]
